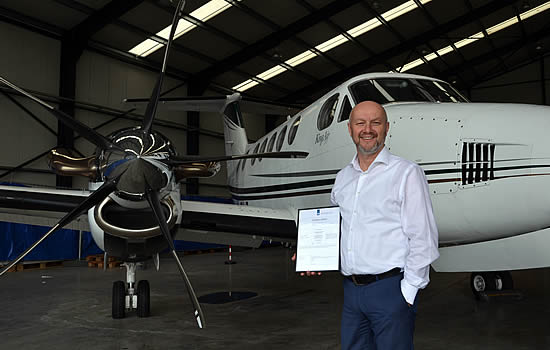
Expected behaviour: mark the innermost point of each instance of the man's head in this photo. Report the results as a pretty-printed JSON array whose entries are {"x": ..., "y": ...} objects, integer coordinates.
[{"x": 368, "y": 126}]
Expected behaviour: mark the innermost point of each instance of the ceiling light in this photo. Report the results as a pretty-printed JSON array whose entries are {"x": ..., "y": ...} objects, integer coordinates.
[
  {"x": 475, "y": 37},
  {"x": 336, "y": 41},
  {"x": 203, "y": 13}
]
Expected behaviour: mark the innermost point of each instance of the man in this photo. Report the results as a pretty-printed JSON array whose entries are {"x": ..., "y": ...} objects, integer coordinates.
[{"x": 388, "y": 237}]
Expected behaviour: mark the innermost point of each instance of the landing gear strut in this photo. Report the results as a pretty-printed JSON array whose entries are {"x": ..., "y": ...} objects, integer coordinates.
[
  {"x": 487, "y": 282},
  {"x": 126, "y": 297}
]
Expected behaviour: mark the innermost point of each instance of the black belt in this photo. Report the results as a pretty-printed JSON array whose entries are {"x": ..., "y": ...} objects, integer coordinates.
[{"x": 363, "y": 280}]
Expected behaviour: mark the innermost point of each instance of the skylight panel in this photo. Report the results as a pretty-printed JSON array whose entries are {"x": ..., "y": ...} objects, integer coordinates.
[
  {"x": 333, "y": 42},
  {"x": 477, "y": 36},
  {"x": 203, "y": 13}
]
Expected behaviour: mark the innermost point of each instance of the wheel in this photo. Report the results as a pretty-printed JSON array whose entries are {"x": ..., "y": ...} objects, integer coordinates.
[
  {"x": 506, "y": 279},
  {"x": 144, "y": 299},
  {"x": 482, "y": 282},
  {"x": 119, "y": 299}
]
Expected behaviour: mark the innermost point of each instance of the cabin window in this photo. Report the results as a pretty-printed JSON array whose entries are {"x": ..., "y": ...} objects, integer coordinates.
[
  {"x": 293, "y": 130},
  {"x": 326, "y": 115},
  {"x": 281, "y": 139},
  {"x": 255, "y": 152},
  {"x": 345, "y": 110},
  {"x": 262, "y": 149},
  {"x": 271, "y": 142}
]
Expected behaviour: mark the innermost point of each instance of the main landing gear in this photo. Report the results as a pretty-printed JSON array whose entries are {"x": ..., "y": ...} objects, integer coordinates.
[
  {"x": 126, "y": 297},
  {"x": 485, "y": 284}
]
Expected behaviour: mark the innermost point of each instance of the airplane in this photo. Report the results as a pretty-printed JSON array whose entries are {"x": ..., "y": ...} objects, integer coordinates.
[{"x": 486, "y": 164}]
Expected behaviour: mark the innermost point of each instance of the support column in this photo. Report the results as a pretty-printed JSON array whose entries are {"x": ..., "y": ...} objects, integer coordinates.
[
  {"x": 193, "y": 124},
  {"x": 67, "y": 88}
]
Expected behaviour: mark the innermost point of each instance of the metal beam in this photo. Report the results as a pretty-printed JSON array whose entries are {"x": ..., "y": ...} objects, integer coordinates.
[
  {"x": 224, "y": 35},
  {"x": 531, "y": 39},
  {"x": 334, "y": 79},
  {"x": 274, "y": 39}
]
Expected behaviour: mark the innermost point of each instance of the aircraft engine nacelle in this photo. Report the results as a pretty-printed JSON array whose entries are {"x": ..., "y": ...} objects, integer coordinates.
[
  {"x": 206, "y": 169},
  {"x": 119, "y": 221}
]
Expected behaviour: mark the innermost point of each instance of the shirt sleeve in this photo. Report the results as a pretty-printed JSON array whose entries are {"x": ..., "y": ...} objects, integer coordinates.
[{"x": 418, "y": 225}]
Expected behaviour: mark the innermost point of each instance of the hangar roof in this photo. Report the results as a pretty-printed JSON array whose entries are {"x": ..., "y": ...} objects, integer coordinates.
[{"x": 295, "y": 50}]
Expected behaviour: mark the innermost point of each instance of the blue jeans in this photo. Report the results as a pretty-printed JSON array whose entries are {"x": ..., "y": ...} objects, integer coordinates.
[{"x": 377, "y": 317}]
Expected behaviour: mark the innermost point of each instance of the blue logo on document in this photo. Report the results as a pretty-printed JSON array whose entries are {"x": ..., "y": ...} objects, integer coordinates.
[{"x": 318, "y": 212}]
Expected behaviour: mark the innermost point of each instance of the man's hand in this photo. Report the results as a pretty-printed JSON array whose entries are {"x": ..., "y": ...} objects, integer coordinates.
[{"x": 308, "y": 273}]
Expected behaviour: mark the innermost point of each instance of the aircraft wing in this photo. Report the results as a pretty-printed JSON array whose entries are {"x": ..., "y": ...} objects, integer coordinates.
[
  {"x": 40, "y": 206},
  {"x": 233, "y": 224},
  {"x": 216, "y": 104}
]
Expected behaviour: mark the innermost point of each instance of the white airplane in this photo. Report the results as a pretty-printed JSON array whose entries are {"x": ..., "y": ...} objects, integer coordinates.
[{"x": 485, "y": 163}]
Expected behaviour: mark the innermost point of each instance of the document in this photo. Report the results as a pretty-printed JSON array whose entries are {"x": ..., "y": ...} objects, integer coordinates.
[{"x": 318, "y": 239}]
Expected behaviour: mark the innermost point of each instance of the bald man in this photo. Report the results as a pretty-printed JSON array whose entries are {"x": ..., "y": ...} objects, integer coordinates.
[{"x": 388, "y": 237}]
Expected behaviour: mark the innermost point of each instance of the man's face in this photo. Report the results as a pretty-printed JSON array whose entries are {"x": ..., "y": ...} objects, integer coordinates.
[{"x": 368, "y": 127}]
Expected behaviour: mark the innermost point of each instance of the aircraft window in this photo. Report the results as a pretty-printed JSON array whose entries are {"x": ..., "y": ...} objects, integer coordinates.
[
  {"x": 254, "y": 152},
  {"x": 262, "y": 149},
  {"x": 366, "y": 91},
  {"x": 293, "y": 130},
  {"x": 386, "y": 90},
  {"x": 326, "y": 115},
  {"x": 271, "y": 142},
  {"x": 440, "y": 91},
  {"x": 345, "y": 111},
  {"x": 281, "y": 139}
]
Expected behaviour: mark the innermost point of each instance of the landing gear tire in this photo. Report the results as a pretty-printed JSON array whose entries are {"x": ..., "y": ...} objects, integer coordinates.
[
  {"x": 144, "y": 299},
  {"x": 506, "y": 279},
  {"x": 119, "y": 299},
  {"x": 482, "y": 282}
]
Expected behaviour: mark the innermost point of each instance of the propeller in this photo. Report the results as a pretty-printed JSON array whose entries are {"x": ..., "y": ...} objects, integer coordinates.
[
  {"x": 151, "y": 109},
  {"x": 84, "y": 130},
  {"x": 154, "y": 202},
  {"x": 93, "y": 199}
]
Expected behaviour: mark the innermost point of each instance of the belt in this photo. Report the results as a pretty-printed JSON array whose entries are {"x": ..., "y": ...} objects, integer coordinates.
[{"x": 363, "y": 280}]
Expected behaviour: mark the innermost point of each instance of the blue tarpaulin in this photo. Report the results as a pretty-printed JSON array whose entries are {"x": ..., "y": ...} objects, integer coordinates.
[{"x": 60, "y": 245}]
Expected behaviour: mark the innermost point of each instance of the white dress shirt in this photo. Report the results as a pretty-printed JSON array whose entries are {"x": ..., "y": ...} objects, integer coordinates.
[{"x": 387, "y": 220}]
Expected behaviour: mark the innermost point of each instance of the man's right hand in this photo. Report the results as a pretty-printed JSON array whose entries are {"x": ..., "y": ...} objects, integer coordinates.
[{"x": 307, "y": 273}]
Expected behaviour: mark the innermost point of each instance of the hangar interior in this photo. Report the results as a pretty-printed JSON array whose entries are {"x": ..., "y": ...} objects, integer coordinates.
[{"x": 86, "y": 56}]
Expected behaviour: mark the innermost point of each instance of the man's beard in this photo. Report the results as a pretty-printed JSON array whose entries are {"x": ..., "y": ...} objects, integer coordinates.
[{"x": 369, "y": 152}]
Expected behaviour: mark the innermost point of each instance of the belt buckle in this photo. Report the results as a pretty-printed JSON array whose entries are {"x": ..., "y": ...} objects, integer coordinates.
[{"x": 354, "y": 280}]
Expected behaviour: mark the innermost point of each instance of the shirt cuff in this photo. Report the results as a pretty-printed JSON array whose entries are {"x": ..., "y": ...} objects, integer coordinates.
[{"x": 408, "y": 291}]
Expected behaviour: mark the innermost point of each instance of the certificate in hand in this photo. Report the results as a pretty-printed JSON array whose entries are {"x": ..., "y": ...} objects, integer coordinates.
[{"x": 318, "y": 239}]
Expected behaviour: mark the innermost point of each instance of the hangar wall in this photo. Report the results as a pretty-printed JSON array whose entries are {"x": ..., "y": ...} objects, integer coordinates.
[
  {"x": 520, "y": 85},
  {"x": 31, "y": 61}
]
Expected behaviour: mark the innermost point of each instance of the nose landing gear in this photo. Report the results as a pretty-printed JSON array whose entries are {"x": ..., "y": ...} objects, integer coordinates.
[{"x": 126, "y": 297}]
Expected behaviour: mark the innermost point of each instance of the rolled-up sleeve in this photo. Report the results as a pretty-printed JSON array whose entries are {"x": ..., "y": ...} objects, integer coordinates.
[{"x": 419, "y": 226}]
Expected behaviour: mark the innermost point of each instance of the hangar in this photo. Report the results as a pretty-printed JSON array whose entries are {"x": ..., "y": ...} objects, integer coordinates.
[{"x": 86, "y": 57}]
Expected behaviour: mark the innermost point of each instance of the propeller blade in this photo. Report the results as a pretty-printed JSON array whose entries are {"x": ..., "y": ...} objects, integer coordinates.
[
  {"x": 93, "y": 199},
  {"x": 200, "y": 159},
  {"x": 155, "y": 95},
  {"x": 154, "y": 201},
  {"x": 82, "y": 129}
]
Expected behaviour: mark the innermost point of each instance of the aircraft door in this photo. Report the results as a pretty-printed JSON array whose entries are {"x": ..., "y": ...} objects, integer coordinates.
[{"x": 432, "y": 143}]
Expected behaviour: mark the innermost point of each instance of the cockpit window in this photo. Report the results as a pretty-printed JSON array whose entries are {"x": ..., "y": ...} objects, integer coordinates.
[
  {"x": 387, "y": 90},
  {"x": 440, "y": 91}
]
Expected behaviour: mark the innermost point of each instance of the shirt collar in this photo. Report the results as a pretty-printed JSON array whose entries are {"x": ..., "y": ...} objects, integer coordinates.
[{"x": 382, "y": 157}]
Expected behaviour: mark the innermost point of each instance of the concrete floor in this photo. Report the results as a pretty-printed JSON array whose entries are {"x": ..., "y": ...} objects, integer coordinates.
[{"x": 70, "y": 307}]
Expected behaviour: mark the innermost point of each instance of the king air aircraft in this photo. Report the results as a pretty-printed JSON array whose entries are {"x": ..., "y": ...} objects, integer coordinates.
[{"x": 487, "y": 166}]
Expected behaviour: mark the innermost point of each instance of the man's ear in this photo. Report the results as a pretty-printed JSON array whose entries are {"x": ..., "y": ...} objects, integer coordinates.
[{"x": 349, "y": 129}]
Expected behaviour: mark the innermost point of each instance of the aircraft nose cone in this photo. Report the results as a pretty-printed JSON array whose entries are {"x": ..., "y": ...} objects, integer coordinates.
[{"x": 137, "y": 175}]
